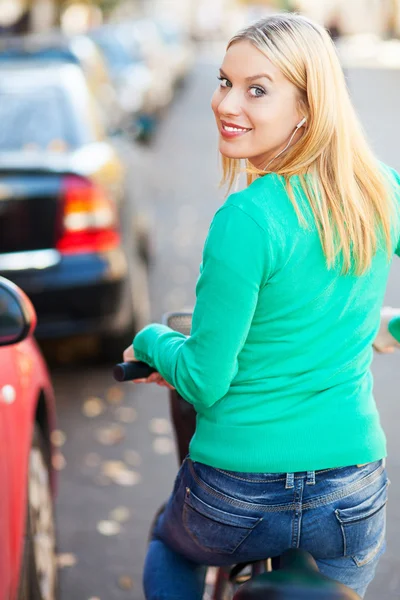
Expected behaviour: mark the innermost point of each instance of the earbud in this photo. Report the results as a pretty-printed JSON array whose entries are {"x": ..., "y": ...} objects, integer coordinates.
[{"x": 302, "y": 122}]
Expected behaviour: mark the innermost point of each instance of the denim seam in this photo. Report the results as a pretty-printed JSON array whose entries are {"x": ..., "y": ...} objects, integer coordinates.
[
  {"x": 239, "y": 503},
  {"x": 296, "y": 519},
  {"x": 187, "y": 507},
  {"x": 357, "y": 520},
  {"x": 344, "y": 538},
  {"x": 374, "y": 551},
  {"x": 285, "y": 507},
  {"x": 250, "y": 480},
  {"x": 352, "y": 489},
  {"x": 269, "y": 480}
]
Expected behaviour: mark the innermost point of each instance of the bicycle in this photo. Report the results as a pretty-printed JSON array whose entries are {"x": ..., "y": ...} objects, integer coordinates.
[{"x": 292, "y": 576}]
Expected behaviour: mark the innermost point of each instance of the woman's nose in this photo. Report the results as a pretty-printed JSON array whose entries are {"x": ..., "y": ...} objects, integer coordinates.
[{"x": 230, "y": 104}]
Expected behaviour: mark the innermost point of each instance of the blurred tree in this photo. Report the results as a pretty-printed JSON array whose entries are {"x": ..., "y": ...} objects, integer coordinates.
[
  {"x": 286, "y": 4},
  {"x": 107, "y": 6},
  {"x": 23, "y": 16},
  {"x": 392, "y": 29}
]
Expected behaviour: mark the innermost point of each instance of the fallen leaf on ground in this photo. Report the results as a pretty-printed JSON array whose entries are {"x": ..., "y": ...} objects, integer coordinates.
[
  {"x": 115, "y": 395},
  {"x": 121, "y": 514},
  {"x": 118, "y": 472},
  {"x": 108, "y": 436},
  {"x": 160, "y": 426},
  {"x": 112, "y": 467},
  {"x": 127, "y": 478},
  {"x": 93, "y": 407},
  {"x": 58, "y": 461},
  {"x": 58, "y": 438},
  {"x": 163, "y": 445},
  {"x": 66, "y": 559},
  {"x": 125, "y": 582},
  {"x": 126, "y": 414},
  {"x": 108, "y": 527}
]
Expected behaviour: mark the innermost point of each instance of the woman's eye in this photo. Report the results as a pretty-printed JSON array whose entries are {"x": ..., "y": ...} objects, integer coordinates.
[
  {"x": 224, "y": 82},
  {"x": 258, "y": 92}
]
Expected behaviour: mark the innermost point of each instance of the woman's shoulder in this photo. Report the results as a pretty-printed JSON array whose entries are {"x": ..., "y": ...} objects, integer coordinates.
[
  {"x": 259, "y": 199},
  {"x": 392, "y": 174}
]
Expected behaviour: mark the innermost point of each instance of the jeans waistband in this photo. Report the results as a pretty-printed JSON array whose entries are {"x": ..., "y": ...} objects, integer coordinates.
[
  {"x": 310, "y": 476},
  {"x": 289, "y": 478}
]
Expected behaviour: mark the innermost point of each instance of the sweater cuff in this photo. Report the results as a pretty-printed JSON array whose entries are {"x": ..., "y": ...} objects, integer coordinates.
[{"x": 145, "y": 340}]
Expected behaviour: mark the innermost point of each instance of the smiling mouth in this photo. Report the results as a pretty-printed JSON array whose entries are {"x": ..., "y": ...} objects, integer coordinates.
[
  {"x": 231, "y": 131},
  {"x": 229, "y": 128}
]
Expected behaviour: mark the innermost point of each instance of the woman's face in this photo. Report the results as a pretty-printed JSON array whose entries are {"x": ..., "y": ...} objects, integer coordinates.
[{"x": 256, "y": 107}]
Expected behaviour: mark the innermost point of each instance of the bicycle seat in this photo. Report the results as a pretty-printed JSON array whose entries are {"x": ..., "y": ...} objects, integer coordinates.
[{"x": 297, "y": 578}]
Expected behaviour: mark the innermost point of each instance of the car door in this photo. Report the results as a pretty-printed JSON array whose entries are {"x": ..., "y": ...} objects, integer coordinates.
[
  {"x": 5, "y": 495},
  {"x": 16, "y": 395}
]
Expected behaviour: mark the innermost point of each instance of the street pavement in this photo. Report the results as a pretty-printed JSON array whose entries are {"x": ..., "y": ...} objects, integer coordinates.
[{"x": 117, "y": 461}]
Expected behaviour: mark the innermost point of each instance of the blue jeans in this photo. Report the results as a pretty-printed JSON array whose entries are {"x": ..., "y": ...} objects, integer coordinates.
[{"x": 217, "y": 517}]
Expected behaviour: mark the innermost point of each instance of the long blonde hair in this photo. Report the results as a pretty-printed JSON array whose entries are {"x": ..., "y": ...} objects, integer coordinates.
[{"x": 348, "y": 192}]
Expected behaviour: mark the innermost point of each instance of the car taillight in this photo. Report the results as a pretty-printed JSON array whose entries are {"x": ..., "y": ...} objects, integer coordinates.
[{"x": 88, "y": 218}]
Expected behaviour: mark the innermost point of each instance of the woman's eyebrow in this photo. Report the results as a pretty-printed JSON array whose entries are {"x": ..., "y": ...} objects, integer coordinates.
[
  {"x": 260, "y": 76},
  {"x": 251, "y": 78}
]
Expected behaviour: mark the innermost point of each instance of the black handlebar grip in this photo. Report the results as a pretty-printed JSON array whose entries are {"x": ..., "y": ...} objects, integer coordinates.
[{"x": 128, "y": 371}]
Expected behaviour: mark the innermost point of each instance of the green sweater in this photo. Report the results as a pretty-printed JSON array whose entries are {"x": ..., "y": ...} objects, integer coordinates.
[{"x": 277, "y": 365}]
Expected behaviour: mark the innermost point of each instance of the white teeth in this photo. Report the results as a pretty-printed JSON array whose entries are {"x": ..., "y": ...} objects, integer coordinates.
[{"x": 227, "y": 128}]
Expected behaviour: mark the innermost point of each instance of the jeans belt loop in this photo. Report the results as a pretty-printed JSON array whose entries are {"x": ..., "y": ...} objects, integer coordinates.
[
  {"x": 289, "y": 481},
  {"x": 310, "y": 478}
]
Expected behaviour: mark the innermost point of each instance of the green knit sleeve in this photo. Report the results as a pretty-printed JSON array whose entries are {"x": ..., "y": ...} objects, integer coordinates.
[
  {"x": 235, "y": 266},
  {"x": 394, "y": 179}
]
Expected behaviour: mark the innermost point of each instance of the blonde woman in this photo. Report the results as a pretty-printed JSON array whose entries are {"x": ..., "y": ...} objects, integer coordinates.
[{"x": 288, "y": 449}]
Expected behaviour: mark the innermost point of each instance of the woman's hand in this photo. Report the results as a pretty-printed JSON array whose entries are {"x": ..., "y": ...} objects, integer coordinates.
[
  {"x": 129, "y": 356},
  {"x": 384, "y": 342}
]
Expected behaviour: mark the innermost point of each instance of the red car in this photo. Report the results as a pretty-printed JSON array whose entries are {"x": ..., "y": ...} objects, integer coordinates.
[{"x": 27, "y": 411}]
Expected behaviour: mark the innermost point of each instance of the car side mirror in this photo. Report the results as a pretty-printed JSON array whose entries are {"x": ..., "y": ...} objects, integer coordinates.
[{"x": 17, "y": 315}]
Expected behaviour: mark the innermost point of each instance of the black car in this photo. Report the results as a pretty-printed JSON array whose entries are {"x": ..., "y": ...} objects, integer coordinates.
[
  {"x": 80, "y": 50},
  {"x": 70, "y": 235}
]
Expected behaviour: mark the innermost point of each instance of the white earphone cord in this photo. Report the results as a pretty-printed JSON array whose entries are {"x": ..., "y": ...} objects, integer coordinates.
[{"x": 287, "y": 145}]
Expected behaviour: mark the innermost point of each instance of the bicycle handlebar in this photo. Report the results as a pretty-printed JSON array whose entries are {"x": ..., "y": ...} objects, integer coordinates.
[{"x": 128, "y": 371}]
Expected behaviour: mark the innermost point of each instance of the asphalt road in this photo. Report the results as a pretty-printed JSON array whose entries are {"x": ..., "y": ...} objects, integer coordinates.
[{"x": 117, "y": 457}]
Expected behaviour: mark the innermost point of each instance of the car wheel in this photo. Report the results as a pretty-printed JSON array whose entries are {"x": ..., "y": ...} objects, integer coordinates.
[{"x": 40, "y": 544}]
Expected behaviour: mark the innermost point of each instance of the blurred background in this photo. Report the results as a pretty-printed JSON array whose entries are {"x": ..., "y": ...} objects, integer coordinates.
[{"x": 108, "y": 182}]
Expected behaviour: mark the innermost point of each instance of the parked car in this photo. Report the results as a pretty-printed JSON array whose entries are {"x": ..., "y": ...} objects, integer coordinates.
[
  {"x": 131, "y": 75},
  {"x": 28, "y": 569},
  {"x": 80, "y": 50},
  {"x": 144, "y": 32},
  {"x": 70, "y": 234},
  {"x": 179, "y": 48}
]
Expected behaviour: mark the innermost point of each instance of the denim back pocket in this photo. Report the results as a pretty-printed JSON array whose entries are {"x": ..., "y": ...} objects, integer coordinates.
[
  {"x": 213, "y": 529},
  {"x": 363, "y": 527}
]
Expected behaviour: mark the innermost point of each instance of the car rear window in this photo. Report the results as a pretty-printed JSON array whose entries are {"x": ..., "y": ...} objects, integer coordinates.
[{"x": 36, "y": 120}]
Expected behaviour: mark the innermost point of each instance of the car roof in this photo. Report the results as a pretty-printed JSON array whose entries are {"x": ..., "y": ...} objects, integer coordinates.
[
  {"x": 32, "y": 76},
  {"x": 39, "y": 71},
  {"x": 51, "y": 46}
]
